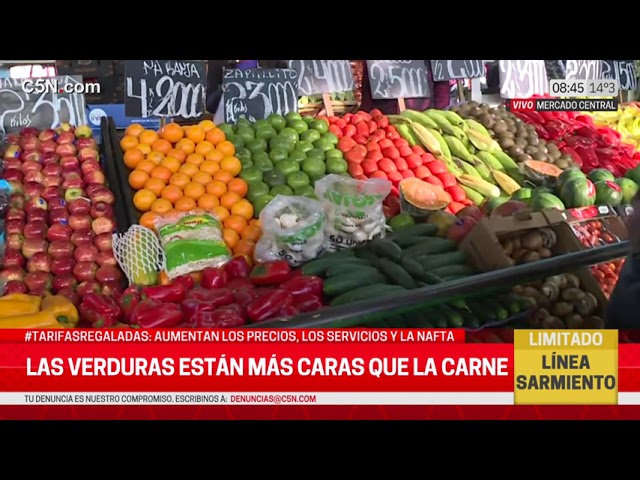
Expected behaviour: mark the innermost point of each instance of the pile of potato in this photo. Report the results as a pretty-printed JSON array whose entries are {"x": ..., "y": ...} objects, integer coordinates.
[{"x": 530, "y": 246}]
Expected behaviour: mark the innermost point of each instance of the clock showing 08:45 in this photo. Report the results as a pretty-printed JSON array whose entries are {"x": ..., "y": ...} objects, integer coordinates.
[{"x": 583, "y": 88}]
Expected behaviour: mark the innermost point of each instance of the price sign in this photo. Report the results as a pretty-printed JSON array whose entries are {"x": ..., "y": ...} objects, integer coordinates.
[
  {"x": 522, "y": 78},
  {"x": 584, "y": 69},
  {"x": 323, "y": 76},
  {"x": 256, "y": 93},
  {"x": 47, "y": 108},
  {"x": 622, "y": 70},
  {"x": 398, "y": 79},
  {"x": 164, "y": 88},
  {"x": 456, "y": 69}
]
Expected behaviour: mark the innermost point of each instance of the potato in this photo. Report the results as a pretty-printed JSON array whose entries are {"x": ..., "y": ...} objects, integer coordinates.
[
  {"x": 532, "y": 241},
  {"x": 518, "y": 254},
  {"x": 507, "y": 247},
  {"x": 544, "y": 253},
  {"x": 561, "y": 309},
  {"x": 530, "y": 256},
  {"x": 572, "y": 295}
]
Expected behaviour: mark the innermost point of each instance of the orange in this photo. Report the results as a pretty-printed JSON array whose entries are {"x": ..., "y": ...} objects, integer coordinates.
[
  {"x": 161, "y": 206},
  {"x": 155, "y": 157},
  {"x": 163, "y": 173},
  {"x": 148, "y": 219},
  {"x": 171, "y": 163},
  {"x": 214, "y": 156},
  {"x": 227, "y": 148},
  {"x": 172, "y": 193},
  {"x": 235, "y": 222},
  {"x": 196, "y": 134},
  {"x": 186, "y": 145},
  {"x": 244, "y": 247},
  {"x": 195, "y": 158},
  {"x": 180, "y": 180},
  {"x": 177, "y": 153},
  {"x": 237, "y": 185},
  {"x": 209, "y": 167},
  {"x": 223, "y": 176},
  {"x": 148, "y": 137},
  {"x": 256, "y": 222},
  {"x": 143, "y": 199},
  {"x": 194, "y": 190},
  {"x": 144, "y": 148},
  {"x": 215, "y": 136},
  {"x": 207, "y": 125},
  {"x": 134, "y": 130},
  {"x": 137, "y": 179},
  {"x": 252, "y": 232},
  {"x": 230, "y": 236},
  {"x": 171, "y": 132},
  {"x": 208, "y": 201},
  {"x": 217, "y": 188},
  {"x": 128, "y": 142},
  {"x": 161, "y": 145},
  {"x": 242, "y": 208},
  {"x": 146, "y": 166},
  {"x": 155, "y": 185},
  {"x": 133, "y": 157},
  {"x": 189, "y": 169},
  {"x": 185, "y": 204},
  {"x": 231, "y": 165},
  {"x": 202, "y": 178},
  {"x": 221, "y": 212},
  {"x": 204, "y": 147},
  {"x": 229, "y": 199}
]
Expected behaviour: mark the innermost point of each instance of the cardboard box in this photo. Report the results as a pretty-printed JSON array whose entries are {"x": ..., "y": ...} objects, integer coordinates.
[{"x": 485, "y": 251}]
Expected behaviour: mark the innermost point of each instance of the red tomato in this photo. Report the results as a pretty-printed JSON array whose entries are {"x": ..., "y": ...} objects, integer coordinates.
[
  {"x": 390, "y": 129},
  {"x": 360, "y": 139},
  {"x": 373, "y": 126},
  {"x": 365, "y": 115},
  {"x": 447, "y": 179},
  {"x": 369, "y": 166},
  {"x": 395, "y": 177},
  {"x": 427, "y": 158},
  {"x": 385, "y": 143},
  {"x": 361, "y": 149},
  {"x": 405, "y": 151},
  {"x": 400, "y": 142},
  {"x": 347, "y": 117},
  {"x": 393, "y": 203},
  {"x": 422, "y": 172},
  {"x": 354, "y": 156},
  {"x": 387, "y": 165},
  {"x": 333, "y": 120},
  {"x": 414, "y": 161},
  {"x": 349, "y": 131},
  {"x": 455, "y": 207},
  {"x": 376, "y": 112},
  {"x": 346, "y": 143},
  {"x": 336, "y": 130},
  {"x": 437, "y": 167},
  {"x": 401, "y": 164},
  {"x": 467, "y": 202},
  {"x": 355, "y": 169},
  {"x": 363, "y": 129},
  {"x": 356, "y": 119},
  {"x": 341, "y": 123},
  {"x": 456, "y": 192},
  {"x": 379, "y": 174},
  {"x": 379, "y": 134},
  {"x": 417, "y": 149},
  {"x": 433, "y": 180},
  {"x": 391, "y": 152},
  {"x": 394, "y": 193},
  {"x": 393, "y": 135},
  {"x": 361, "y": 177},
  {"x": 381, "y": 120},
  {"x": 375, "y": 155},
  {"x": 372, "y": 144},
  {"x": 408, "y": 174}
]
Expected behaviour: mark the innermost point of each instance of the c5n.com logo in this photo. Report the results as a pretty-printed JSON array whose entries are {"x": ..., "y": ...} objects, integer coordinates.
[{"x": 38, "y": 86}]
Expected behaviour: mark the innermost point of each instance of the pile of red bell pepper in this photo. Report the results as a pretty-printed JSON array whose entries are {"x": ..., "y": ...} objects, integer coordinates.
[
  {"x": 228, "y": 296},
  {"x": 590, "y": 146}
]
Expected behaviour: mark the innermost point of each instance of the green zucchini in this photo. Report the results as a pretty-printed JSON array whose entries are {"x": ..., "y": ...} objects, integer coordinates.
[
  {"x": 430, "y": 246},
  {"x": 340, "y": 284},
  {"x": 395, "y": 273}
]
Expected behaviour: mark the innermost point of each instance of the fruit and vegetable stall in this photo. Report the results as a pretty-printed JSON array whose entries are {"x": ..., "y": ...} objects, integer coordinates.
[{"x": 234, "y": 225}]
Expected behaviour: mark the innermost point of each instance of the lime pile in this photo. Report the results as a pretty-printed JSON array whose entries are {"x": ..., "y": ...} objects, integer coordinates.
[{"x": 284, "y": 155}]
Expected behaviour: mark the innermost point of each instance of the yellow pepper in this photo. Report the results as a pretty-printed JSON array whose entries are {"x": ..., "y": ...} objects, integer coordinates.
[
  {"x": 62, "y": 306},
  {"x": 19, "y": 304},
  {"x": 57, "y": 312}
]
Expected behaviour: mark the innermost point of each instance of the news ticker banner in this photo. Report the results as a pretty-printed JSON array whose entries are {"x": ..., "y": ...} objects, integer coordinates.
[
  {"x": 563, "y": 105},
  {"x": 315, "y": 367}
]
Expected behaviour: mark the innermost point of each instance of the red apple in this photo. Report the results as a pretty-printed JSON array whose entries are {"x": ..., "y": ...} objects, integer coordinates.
[
  {"x": 66, "y": 150},
  {"x": 15, "y": 286},
  {"x": 65, "y": 137},
  {"x": 38, "y": 281},
  {"x": 106, "y": 258},
  {"x": 14, "y": 226},
  {"x": 12, "y": 151},
  {"x": 29, "y": 142},
  {"x": 31, "y": 156},
  {"x": 33, "y": 189},
  {"x": 104, "y": 242},
  {"x": 35, "y": 229},
  {"x": 80, "y": 222},
  {"x": 92, "y": 188},
  {"x": 29, "y": 132},
  {"x": 73, "y": 193},
  {"x": 13, "y": 258},
  {"x": 59, "y": 215},
  {"x": 68, "y": 293},
  {"x": 12, "y": 139},
  {"x": 112, "y": 289},
  {"x": 85, "y": 271},
  {"x": 88, "y": 286},
  {"x": 80, "y": 206},
  {"x": 86, "y": 253},
  {"x": 69, "y": 163},
  {"x": 82, "y": 237},
  {"x": 90, "y": 166},
  {"x": 51, "y": 192},
  {"x": 61, "y": 248},
  {"x": 31, "y": 166},
  {"x": 17, "y": 200},
  {"x": 40, "y": 262},
  {"x": 58, "y": 231},
  {"x": 65, "y": 280},
  {"x": 35, "y": 203},
  {"x": 64, "y": 127},
  {"x": 47, "y": 147},
  {"x": 51, "y": 182},
  {"x": 12, "y": 274},
  {"x": 88, "y": 154},
  {"x": 47, "y": 135},
  {"x": 13, "y": 163},
  {"x": 102, "y": 194},
  {"x": 62, "y": 265},
  {"x": 108, "y": 273},
  {"x": 13, "y": 174},
  {"x": 57, "y": 203},
  {"x": 83, "y": 131},
  {"x": 38, "y": 215},
  {"x": 34, "y": 245},
  {"x": 461, "y": 228},
  {"x": 50, "y": 158},
  {"x": 32, "y": 177},
  {"x": 508, "y": 208},
  {"x": 15, "y": 241},
  {"x": 101, "y": 209},
  {"x": 86, "y": 143},
  {"x": 95, "y": 177},
  {"x": 16, "y": 213},
  {"x": 103, "y": 225},
  {"x": 73, "y": 181},
  {"x": 52, "y": 170}
]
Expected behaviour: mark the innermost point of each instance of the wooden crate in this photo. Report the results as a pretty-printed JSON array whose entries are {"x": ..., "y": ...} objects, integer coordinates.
[{"x": 339, "y": 108}]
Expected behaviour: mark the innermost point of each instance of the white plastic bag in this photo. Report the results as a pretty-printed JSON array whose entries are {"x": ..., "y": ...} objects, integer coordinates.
[
  {"x": 353, "y": 209},
  {"x": 293, "y": 230}
]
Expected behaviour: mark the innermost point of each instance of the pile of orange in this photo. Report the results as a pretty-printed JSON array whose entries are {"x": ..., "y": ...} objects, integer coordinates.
[{"x": 186, "y": 168}]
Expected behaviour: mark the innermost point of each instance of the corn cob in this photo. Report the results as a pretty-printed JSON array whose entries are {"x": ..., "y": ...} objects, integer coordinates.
[
  {"x": 443, "y": 124},
  {"x": 477, "y": 126},
  {"x": 484, "y": 172},
  {"x": 467, "y": 168},
  {"x": 453, "y": 118},
  {"x": 483, "y": 142},
  {"x": 481, "y": 186},
  {"x": 406, "y": 133},
  {"x": 489, "y": 160},
  {"x": 426, "y": 138},
  {"x": 419, "y": 117},
  {"x": 474, "y": 196},
  {"x": 457, "y": 148},
  {"x": 506, "y": 161},
  {"x": 508, "y": 184},
  {"x": 444, "y": 148}
]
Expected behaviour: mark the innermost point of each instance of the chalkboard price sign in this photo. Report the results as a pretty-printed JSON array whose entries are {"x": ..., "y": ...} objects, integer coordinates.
[
  {"x": 164, "y": 88},
  {"x": 584, "y": 69},
  {"x": 522, "y": 78},
  {"x": 323, "y": 76},
  {"x": 622, "y": 70},
  {"x": 45, "y": 109},
  {"x": 456, "y": 69},
  {"x": 256, "y": 93},
  {"x": 398, "y": 79}
]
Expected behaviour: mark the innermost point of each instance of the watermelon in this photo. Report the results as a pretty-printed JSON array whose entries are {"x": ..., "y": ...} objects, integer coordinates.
[
  {"x": 634, "y": 174},
  {"x": 567, "y": 175},
  {"x": 491, "y": 203},
  {"x": 544, "y": 200},
  {"x": 578, "y": 192},
  {"x": 522, "y": 195},
  {"x": 608, "y": 193},
  {"x": 629, "y": 189},
  {"x": 600, "y": 174}
]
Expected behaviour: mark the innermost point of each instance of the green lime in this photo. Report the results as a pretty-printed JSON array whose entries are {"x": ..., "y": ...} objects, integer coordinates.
[
  {"x": 401, "y": 220},
  {"x": 320, "y": 125},
  {"x": 256, "y": 190},
  {"x": 323, "y": 144},
  {"x": 267, "y": 132},
  {"x": 243, "y": 153},
  {"x": 287, "y": 167},
  {"x": 246, "y": 133},
  {"x": 236, "y": 140},
  {"x": 308, "y": 119},
  {"x": 297, "y": 156},
  {"x": 261, "y": 124},
  {"x": 281, "y": 190},
  {"x": 226, "y": 129},
  {"x": 304, "y": 146},
  {"x": 288, "y": 145},
  {"x": 314, "y": 167},
  {"x": 260, "y": 203},
  {"x": 331, "y": 137},
  {"x": 278, "y": 155},
  {"x": 333, "y": 153},
  {"x": 292, "y": 116},
  {"x": 298, "y": 179},
  {"x": 242, "y": 122},
  {"x": 316, "y": 153},
  {"x": 289, "y": 133},
  {"x": 337, "y": 166},
  {"x": 246, "y": 163},
  {"x": 257, "y": 145},
  {"x": 277, "y": 121},
  {"x": 310, "y": 135},
  {"x": 278, "y": 142},
  {"x": 262, "y": 161},
  {"x": 299, "y": 126},
  {"x": 274, "y": 177},
  {"x": 304, "y": 191},
  {"x": 251, "y": 175}
]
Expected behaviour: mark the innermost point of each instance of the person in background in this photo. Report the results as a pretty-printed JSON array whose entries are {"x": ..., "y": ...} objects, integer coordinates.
[{"x": 440, "y": 96}]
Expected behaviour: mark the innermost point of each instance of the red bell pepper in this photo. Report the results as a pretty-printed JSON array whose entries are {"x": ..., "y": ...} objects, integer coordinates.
[
  {"x": 172, "y": 293},
  {"x": 268, "y": 306},
  {"x": 303, "y": 286},
  {"x": 588, "y": 156},
  {"x": 587, "y": 132},
  {"x": 225, "y": 317},
  {"x": 271, "y": 273},
  {"x": 132, "y": 289},
  {"x": 239, "y": 283},
  {"x": 219, "y": 298},
  {"x": 541, "y": 131},
  {"x": 186, "y": 281},
  {"x": 214, "y": 277},
  {"x": 244, "y": 296},
  {"x": 101, "y": 311},
  {"x": 586, "y": 119},
  {"x": 207, "y": 295},
  {"x": 288, "y": 311},
  {"x": 574, "y": 155},
  {"x": 524, "y": 117},
  {"x": 155, "y": 314},
  {"x": 128, "y": 303},
  {"x": 536, "y": 118},
  {"x": 237, "y": 267},
  {"x": 579, "y": 142},
  {"x": 307, "y": 303},
  {"x": 548, "y": 116}
]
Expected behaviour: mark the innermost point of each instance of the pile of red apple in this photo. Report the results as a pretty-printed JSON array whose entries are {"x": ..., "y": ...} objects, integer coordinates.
[{"x": 60, "y": 221}]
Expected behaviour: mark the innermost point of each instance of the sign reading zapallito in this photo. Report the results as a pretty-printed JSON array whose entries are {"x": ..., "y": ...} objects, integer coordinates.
[{"x": 567, "y": 367}]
